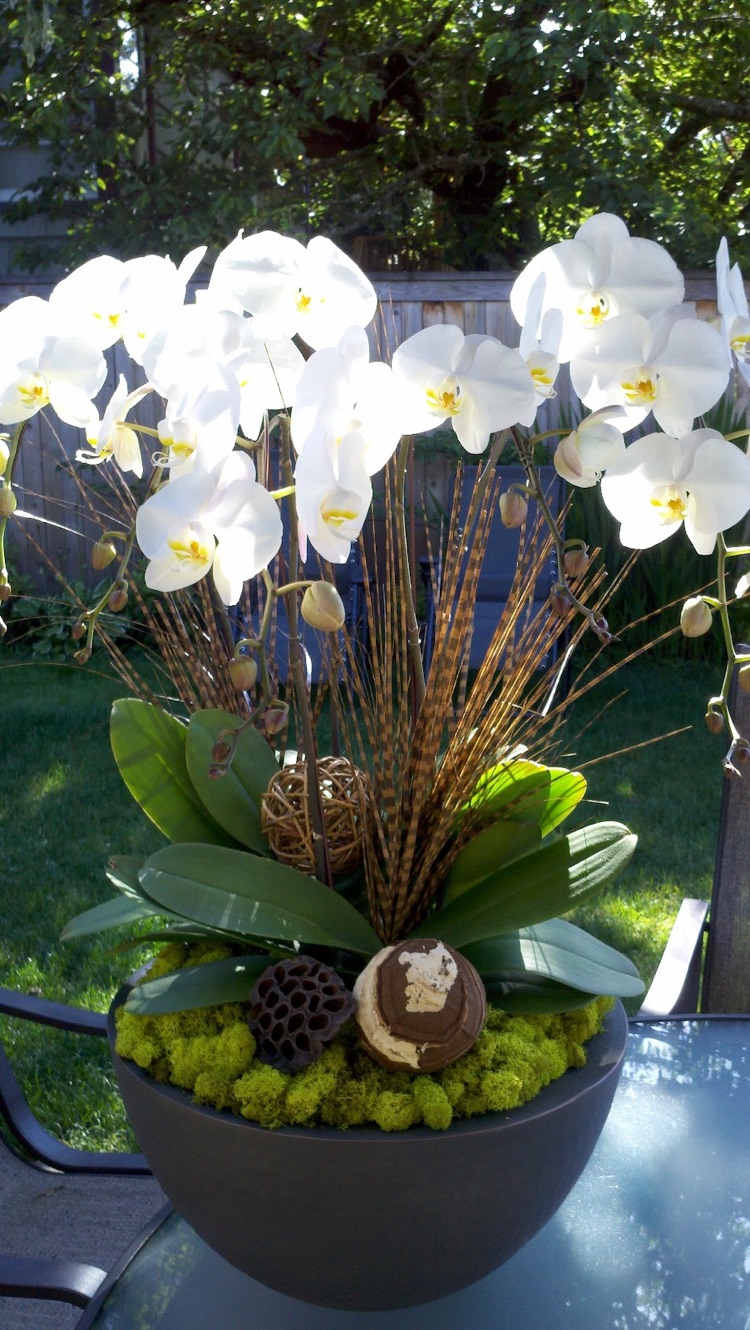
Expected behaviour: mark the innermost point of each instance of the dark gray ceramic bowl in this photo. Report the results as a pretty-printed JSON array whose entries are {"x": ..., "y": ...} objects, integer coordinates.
[{"x": 364, "y": 1219}]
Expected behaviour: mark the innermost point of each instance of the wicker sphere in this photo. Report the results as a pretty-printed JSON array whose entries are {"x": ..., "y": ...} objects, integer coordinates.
[{"x": 287, "y": 823}]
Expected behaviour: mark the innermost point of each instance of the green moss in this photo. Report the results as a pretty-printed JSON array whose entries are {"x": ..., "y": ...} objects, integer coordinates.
[{"x": 211, "y": 1054}]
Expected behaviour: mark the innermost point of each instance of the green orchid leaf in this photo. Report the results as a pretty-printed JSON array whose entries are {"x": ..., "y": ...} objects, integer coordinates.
[
  {"x": 558, "y": 951},
  {"x": 540, "y": 886},
  {"x": 256, "y": 897},
  {"x": 149, "y": 748},
  {"x": 112, "y": 914},
  {"x": 541, "y": 998},
  {"x": 491, "y": 849},
  {"x": 233, "y": 800},
  {"x": 525, "y": 791},
  {"x": 178, "y": 932},
  {"x": 122, "y": 871},
  {"x": 228, "y": 980}
]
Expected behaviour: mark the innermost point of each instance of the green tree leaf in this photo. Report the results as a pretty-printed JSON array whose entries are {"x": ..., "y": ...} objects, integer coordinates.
[
  {"x": 234, "y": 799},
  {"x": 229, "y": 980},
  {"x": 149, "y": 748},
  {"x": 537, "y": 887},
  {"x": 256, "y": 897}
]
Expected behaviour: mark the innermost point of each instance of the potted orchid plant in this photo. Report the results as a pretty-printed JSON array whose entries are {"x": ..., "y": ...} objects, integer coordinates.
[{"x": 378, "y": 914}]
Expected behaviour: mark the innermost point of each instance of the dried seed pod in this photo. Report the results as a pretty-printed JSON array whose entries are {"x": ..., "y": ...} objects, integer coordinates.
[
  {"x": 297, "y": 1006},
  {"x": 420, "y": 1006}
]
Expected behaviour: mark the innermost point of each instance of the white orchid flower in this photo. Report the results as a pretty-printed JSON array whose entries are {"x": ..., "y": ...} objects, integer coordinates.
[
  {"x": 90, "y": 300},
  {"x": 673, "y": 364},
  {"x": 267, "y": 373},
  {"x": 110, "y": 436},
  {"x": 599, "y": 274},
  {"x": 595, "y": 445},
  {"x": 224, "y": 520},
  {"x": 317, "y": 291},
  {"x": 41, "y": 366},
  {"x": 342, "y": 390},
  {"x": 732, "y": 303},
  {"x": 197, "y": 332},
  {"x": 333, "y": 493},
  {"x": 475, "y": 382},
  {"x": 700, "y": 480},
  {"x": 540, "y": 339},
  {"x": 153, "y": 291},
  {"x": 200, "y": 425}
]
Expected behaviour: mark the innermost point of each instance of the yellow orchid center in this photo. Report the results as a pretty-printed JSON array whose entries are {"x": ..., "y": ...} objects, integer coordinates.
[
  {"x": 112, "y": 318},
  {"x": 542, "y": 379},
  {"x": 671, "y": 504},
  {"x": 446, "y": 399},
  {"x": 33, "y": 392},
  {"x": 338, "y": 516},
  {"x": 594, "y": 308},
  {"x": 190, "y": 550},
  {"x": 641, "y": 389},
  {"x": 740, "y": 345}
]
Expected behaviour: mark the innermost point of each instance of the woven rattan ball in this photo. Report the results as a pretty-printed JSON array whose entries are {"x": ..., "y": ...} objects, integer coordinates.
[{"x": 287, "y": 822}]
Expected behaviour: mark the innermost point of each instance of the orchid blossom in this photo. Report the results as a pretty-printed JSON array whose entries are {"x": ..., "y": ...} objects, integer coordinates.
[
  {"x": 700, "y": 480},
  {"x": 581, "y": 457},
  {"x": 224, "y": 520},
  {"x": 315, "y": 291},
  {"x": 599, "y": 274},
  {"x": 41, "y": 365},
  {"x": 732, "y": 303},
  {"x": 673, "y": 364},
  {"x": 539, "y": 343},
  {"x": 333, "y": 493},
  {"x": 110, "y": 436},
  {"x": 200, "y": 425},
  {"x": 475, "y": 382}
]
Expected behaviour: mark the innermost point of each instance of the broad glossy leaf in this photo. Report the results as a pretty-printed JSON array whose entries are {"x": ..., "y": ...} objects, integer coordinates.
[
  {"x": 540, "y": 886},
  {"x": 149, "y": 749},
  {"x": 559, "y": 951},
  {"x": 228, "y": 980},
  {"x": 112, "y": 914},
  {"x": 122, "y": 872},
  {"x": 528, "y": 792},
  {"x": 234, "y": 799},
  {"x": 179, "y": 932},
  {"x": 491, "y": 849},
  {"x": 541, "y": 998},
  {"x": 257, "y": 897}
]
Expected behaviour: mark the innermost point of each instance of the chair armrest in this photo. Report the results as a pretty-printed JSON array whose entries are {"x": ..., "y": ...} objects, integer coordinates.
[
  {"x": 56, "y": 1014},
  {"x": 60, "y": 1281},
  {"x": 675, "y": 986}
]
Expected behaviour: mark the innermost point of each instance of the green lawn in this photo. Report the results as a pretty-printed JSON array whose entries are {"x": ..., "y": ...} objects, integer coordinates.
[{"x": 64, "y": 810}]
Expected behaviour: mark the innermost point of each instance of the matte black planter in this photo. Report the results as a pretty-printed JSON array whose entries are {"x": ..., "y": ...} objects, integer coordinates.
[{"x": 365, "y": 1219}]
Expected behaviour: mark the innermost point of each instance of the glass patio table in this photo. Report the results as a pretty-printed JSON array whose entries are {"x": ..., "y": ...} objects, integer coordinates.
[{"x": 656, "y": 1233}]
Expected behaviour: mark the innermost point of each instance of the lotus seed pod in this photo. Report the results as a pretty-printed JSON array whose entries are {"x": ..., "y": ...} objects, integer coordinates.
[
  {"x": 743, "y": 678},
  {"x": 102, "y": 554},
  {"x": 695, "y": 617},
  {"x": 420, "y": 1006},
  {"x": 118, "y": 599},
  {"x": 513, "y": 508},
  {"x": 8, "y": 502},
  {"x": 243, "y": 671},
  {"x": 576, "y": 562},
  {"x": 714, "y": 722},
  {"x": 323, "y": 608},
  {"x": 297, "y": 1006}
]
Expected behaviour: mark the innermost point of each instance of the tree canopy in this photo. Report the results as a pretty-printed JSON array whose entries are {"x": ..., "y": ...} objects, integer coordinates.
[{"x": 466, "y": 133}]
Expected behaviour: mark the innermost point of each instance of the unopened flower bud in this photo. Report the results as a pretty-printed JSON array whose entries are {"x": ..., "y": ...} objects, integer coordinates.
[
  {"x": 743, "y": 586},
  {"x": 83, "y": 656},
  {"x": 322, "y": 607},
  {"x": 78, "y": 630},
  {"x": 513, "y": 508},
  {"x": 600, "y": 627},
  {"x": 742, "y": 752},
  {"x": 275, "y": 718},
  {"x": 559, "y": 603},
  {"x": 695, "y": 617},
  {"x": 743, "y": 678},
  {"x": 576, "y": 562},
  {"x": 7, "y": 501},
  {"x": 5, "y": 592},
  {"x": 102, "y": 554},
  {"x": 221, "y": 750},
  {"x": 4, "y": 453},
  {"x": 118, "y": 598},
  {"x": 714, "y": 721},
  {"x": 216, "y": 772},
  {"x": 243, "y": 671}
]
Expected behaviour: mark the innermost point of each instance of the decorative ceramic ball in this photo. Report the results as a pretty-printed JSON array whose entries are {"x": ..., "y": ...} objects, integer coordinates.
[
  {"x": 420, "y": 1005},
  {"x": 286, "y": 820}
]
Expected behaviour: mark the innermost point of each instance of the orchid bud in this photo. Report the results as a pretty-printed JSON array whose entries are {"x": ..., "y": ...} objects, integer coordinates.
[
  {"x": 243, "y": 671},
  {"x": 322, "y": 607},
  {"x": 221, "y": 750},
  {"x": 513, "y": 508},
  {"x": 102, "y": 554},
  {"x": 78, "y": 630},
  {"x": 743, "y": 586},
  {"x": 600, "y": 627},
  {"x": 276, "y": 717},
  {"x": 743, "y": 678},
  {"x": 118, "y": 598},
  {"x": 83, "y": 656},
  {"x": 216, "y": 772},
  {"x": 576, "y": 562},
  {"x": 4, "y": 453},
  {"x": 559, "y": 603},
  {"x": 8, "y": 501},
  {"x": 714, "y": 721},
  {"x": 5, "y": 592},
  {"x": 695, "y": 617}
]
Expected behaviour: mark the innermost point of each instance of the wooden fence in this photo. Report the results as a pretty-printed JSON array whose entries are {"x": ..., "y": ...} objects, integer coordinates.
[{"x": 50, "y": 483}]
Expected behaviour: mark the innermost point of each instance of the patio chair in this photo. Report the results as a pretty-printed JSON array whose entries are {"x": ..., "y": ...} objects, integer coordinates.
[{"x": 65, "y": 1214}]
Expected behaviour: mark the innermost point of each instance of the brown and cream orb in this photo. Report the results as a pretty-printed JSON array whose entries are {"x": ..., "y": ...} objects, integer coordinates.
[{"x": 420, "y": 1006}]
